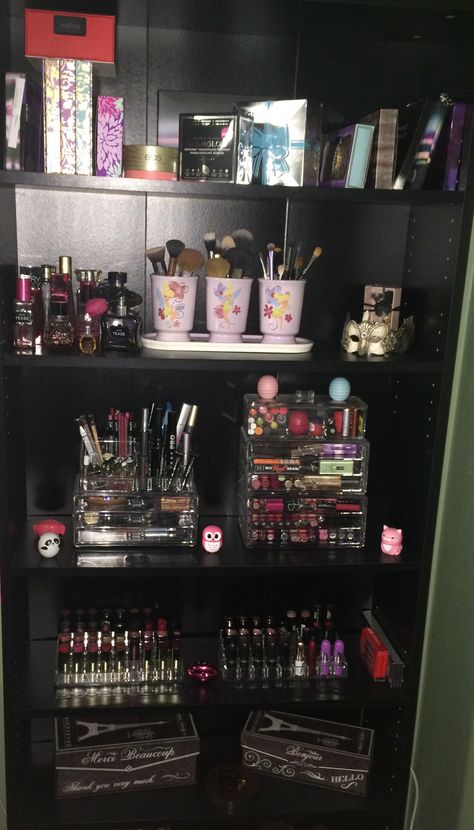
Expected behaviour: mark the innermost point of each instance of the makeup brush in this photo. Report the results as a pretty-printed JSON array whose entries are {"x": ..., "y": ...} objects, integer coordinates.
[
  {"x": 260, "y": 256},
  {"x": 227, "y": 243},
  {"x": 157, "y": 259},
  {"x": 217, "y": 267},
  {"x": 281, "y": 272},
  {"x": 174, "y": 248},
  {"x": 270, "y": 248},
  {"x": 315, "y": 255},
  {"x": 189, "y": 260},
  {"x": 210, "y": 243},
  {"x": 243, "y": 238},
  {"x": 240, "y": 260},
  {"x": 289, "y": 258},
  {"x": 298, "y": 266}
]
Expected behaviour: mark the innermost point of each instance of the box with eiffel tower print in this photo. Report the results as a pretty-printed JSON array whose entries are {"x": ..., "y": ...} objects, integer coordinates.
[
  {"x": 110, "y": 755},
  {"x": 294, "y": 747}
]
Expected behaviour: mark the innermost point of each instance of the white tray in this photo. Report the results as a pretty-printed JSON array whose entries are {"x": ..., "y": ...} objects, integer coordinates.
[{"x": 251, "y": 344}]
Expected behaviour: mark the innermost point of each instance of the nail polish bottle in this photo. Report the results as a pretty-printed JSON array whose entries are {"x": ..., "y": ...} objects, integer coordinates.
[
  {"x": 121, "y": 328},
  {"x": 59, "y": 331},
  {"x": 23, "y": 327}
]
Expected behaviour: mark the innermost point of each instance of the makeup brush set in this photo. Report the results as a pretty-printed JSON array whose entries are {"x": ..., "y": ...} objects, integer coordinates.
[{"x": 135, "y": 485}]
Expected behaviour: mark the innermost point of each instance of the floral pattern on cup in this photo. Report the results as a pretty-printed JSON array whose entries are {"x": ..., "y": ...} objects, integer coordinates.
[
  {"x": 171, "y": 302},
  {"x": 277, "y": 307},
  {"x": 227, "y": 307},
  {"x": 280, "y": 307},
  {"x": 174, "y": 302}
]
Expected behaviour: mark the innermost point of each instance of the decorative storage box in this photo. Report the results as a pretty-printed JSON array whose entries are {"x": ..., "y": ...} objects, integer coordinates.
[
  {"x": 102, "y": 757},
  {"x": 305, "y": 416},
  {"x": 297, "y": 748},
  {"x": 114, "y": 505},
  {"x": 275, "y": 468},
  {"x": 52, "y": 34}
]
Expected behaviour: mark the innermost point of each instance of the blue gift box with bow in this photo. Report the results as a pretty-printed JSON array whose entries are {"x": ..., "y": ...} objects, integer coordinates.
[{"x": 280, "y": 141}]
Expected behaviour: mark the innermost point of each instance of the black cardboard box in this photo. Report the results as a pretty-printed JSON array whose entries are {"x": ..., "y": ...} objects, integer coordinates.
[
  {"x": 95, "y": 757},
  {"x": 297, "y": 748}
]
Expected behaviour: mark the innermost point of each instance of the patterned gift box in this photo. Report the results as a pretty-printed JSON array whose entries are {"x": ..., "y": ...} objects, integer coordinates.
[
  {"x": 84, "y": 117},
  {"x": 52, "y": 115},
  {"x": 67, "y": 98},
  {"x": 109, "y": 135},
  {"x": 279, "y": 141}
]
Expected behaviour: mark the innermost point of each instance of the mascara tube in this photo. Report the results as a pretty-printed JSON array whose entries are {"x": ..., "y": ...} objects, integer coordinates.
[{"x": 182, "y": 420}]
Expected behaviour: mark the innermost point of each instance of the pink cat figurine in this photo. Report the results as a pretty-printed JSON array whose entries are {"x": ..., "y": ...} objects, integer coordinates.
[{"x": 392, "y": 538}]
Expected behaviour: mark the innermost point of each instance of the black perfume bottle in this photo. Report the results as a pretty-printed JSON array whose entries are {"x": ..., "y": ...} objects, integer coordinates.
[{"x": 121, "y": 327}]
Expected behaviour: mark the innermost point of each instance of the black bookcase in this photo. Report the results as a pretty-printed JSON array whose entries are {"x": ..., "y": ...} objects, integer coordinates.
[{"x": 356, "y": 57}]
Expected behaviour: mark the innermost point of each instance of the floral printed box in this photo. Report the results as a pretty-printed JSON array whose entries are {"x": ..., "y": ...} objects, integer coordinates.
[{"x": 109, "y": 135}]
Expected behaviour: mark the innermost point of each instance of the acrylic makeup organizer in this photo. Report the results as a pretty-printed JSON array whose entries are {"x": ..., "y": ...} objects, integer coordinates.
[
  {"x": 303, "y": 472},
  {"x": 116, "y": 504},
  {"x": 115, "y": 661}
]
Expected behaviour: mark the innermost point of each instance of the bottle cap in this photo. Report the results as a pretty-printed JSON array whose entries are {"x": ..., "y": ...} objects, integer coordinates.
[
  {"x": 118, "y": 278},
  {"x": 326, "y": 647},
  {"x": 339, "y": 647}
]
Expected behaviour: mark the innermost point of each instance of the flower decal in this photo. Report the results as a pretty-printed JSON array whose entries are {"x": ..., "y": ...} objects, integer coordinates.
[{"x": 267, "y": 311}]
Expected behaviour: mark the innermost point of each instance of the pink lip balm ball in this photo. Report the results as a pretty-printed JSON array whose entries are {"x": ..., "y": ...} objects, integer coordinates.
[
  {"x": 267, "y": 387},
  {"x": 298, "y": 423}
]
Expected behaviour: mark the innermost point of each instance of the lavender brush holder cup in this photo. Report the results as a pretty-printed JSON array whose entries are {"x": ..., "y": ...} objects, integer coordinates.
[
  {"x": 280, "y": 307},
  {"x": 174, "y": 302},
  {"x": 227, "y": 307}
]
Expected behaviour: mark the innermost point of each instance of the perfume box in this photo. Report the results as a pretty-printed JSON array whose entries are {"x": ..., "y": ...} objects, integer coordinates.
[
  {"x": 109, "y": 756},
  {"x": 382, "y": 302},
  {"x": 298, "y": 748},
  {"x": 109, "y": 141},
  {"x": 285, "y": 141},
  {"x": 215, "y": 148},
  {"x": 52, "y": 34}
]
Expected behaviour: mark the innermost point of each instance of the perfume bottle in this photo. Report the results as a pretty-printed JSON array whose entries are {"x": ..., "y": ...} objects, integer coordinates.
[
  {"x": 86, "y": 291},
  {"x": 65, "y": 268},
  {"x": 87, "y": 334},
  {"x": 46, "y": 271},
  {"x": 23, "y": 327},
  {"x": 121, "y": 328},
  {"x": 38, "y": 308},
  {"x": 59, "y": 331}
]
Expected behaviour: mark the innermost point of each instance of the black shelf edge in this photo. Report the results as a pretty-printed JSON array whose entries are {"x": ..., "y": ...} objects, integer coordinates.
[
  {"x": 190, "y": 806},
  {"x": 37, "y": 697},
  {"x": 318, "y": 360},
  {"x": 213, "y": 190},
  {"x": 233, "y": 557}
]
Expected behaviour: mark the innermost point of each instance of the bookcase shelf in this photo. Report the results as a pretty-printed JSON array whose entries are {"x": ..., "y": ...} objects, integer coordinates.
[
  {"x": 210, "y": 190},
  {"x": 356, "y": 57}
]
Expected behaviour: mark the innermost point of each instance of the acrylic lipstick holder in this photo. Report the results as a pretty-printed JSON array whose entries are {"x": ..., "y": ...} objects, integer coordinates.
[
  {"x": 304, "y": 415},
  {"x": 136, "y": 663},
  {"x": 117, "y": 504},
  {"x": 272, "y": 663}
]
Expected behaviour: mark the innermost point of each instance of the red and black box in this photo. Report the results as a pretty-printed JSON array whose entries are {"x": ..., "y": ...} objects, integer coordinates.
[{"x": 85, "y": 37}]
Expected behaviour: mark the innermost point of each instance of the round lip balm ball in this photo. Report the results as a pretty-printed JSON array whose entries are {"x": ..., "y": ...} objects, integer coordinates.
[
  {"x": 298, "y": 422},
  {"x": 267, "y": 387},
  {"x": 339, "y": 389}
]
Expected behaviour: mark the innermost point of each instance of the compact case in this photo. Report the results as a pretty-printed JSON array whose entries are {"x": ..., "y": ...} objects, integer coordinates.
[
  {"x": 105, "y": 757},
  {"x": 148, "y": 161},
  {"x": 215, "y": 148},
  {"x": 297, "y": 748},
  {"x": 87, "y": 37}
]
